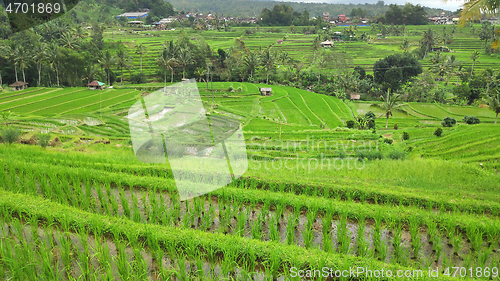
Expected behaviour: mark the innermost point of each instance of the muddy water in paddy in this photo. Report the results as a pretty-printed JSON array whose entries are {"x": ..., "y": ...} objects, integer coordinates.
[
  {"x": 254, "y": 213},
  {"x": 191, "y": 267},
  {"x": 216, "y": 212}
]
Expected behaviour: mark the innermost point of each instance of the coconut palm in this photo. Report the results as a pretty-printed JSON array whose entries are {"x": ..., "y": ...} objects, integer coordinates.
[
  {"x": 200, "y": 71},
  {"x": 493, "y": 102},
  {"x": 389, "y": 104},
  {"x": 184, "y": 58},
  {"x": 39, "y": 56},
  {"x": 166, "y": 59},
  {"x": 428, "y": 40},
  {"x": 140, "y": 50},
  {"x": 123, "y": 60},
  {"x": 251, "y": 61},
  {"x": 474, "y": 56},
  {"x": 267, "y": 61},
  {"x": 22, "y": 59},
  {"x": 106, "y": 60},
  {"x": 69, "y": 41},
  {"x": 8, "y": 51},
  {"x": 52, "y": 56},
  {"x": 405, "y": 45}
]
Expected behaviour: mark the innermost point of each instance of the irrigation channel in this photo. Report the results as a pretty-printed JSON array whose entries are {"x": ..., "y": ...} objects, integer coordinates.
[{"x": 404, "y": 242}]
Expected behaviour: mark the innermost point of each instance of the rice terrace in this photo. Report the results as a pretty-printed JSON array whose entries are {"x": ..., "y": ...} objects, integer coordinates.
[{"x": 373, "y": 158}]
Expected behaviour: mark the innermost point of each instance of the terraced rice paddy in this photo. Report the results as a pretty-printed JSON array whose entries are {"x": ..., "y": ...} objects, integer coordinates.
[{"x": 315, "y": 194}]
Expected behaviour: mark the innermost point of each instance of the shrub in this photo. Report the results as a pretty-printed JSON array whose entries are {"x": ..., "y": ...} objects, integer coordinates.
[
  {"x": 406, "y": 136},
  {"x": 350, "y": 124},
  {"x": 10, "y": 135},
  {"x": 370, "y": 154},
  {"x": 230, "y": 89},
  {"x": 43, "y": 140},
  {"x": 438, "y": 132},
  {"x": 239, "y": 90},
  {"x": 138, "y": 78},
  {"x": 471, "y": 120},
  {"x": 395, "y": 126},
  {"x": 396, "y": 154},
  {"x": 388, "y": 141},
  {"x": 224, "y": 95},
  {"x": 448, "y": 122}
]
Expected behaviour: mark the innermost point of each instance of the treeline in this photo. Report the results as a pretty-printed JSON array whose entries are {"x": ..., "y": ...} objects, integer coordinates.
[
  {"x": 254, "y": 8},
  {"x": 409, "y": 14},
  {"x": 284, "y": 15}
]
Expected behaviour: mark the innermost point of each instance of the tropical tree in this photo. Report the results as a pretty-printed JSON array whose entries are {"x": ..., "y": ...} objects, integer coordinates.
[
  {"x": 389, "y": 104},
  {"x": 69, "y": 41},
  {"x": 140, "y": 50},
  {"x": 322, "y": 61},
  {"x": 39, "y": 56},
  {"x": 52, "y": 56},
  {"x": 123, "y": 60},
  {"x": 493, "y": 102},
  {"x": 200, "y": 71},
  {"x": 184, "y": 58},
  {"x": 251, "y": 61},
  {"x": 106, "y": 60},
  {"x": 474, "y": 56},
  {"x": 8, "y": 51},
  {"x": 267, "y": 60},
  {"x": 428, "y": 40},
  {"x": 22, "y": 59},
  {"x": 405, "y": 45}
]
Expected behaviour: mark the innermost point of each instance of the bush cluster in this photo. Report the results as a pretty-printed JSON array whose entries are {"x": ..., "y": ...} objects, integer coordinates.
[
  {"x": 438, "y": 132},
  {"x": 471, "y": 120},
  {"x": 10, "y": 135},
  {"x": 448, "y": 122},
  {"x": 388, "y": 141}
]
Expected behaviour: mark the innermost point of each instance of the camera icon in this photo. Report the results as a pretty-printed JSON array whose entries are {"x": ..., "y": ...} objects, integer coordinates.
[{"x": 205, "y": 152}]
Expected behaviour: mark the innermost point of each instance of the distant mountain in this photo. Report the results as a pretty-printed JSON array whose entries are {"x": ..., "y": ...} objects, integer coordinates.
[{"x": 247, "y": 8}]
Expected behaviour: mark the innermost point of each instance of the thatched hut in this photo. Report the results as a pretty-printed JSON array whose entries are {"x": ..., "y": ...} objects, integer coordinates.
[{"x": 19, "y": 85}]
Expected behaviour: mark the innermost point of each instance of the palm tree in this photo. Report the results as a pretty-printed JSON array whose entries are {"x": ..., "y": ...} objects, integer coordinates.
[
  {"x": 298, "y": 68},
  {"x": 200, "y": 71},
  {"x": 52, "y": 56},
  {"x": 9, "y": 52},
  {"x": 184, "y": 58},
  {"x": 106, "y": 61},
  {"x": 123, "y": 60},
  {"x": 493, "y": 102},
  {"x": 428, "y": 40},
  {"x": 251, "y": 61},
  {"x": 22, "y": 59},
  {"x": 405, "y": 45},
  {"x": 474, "y": 56},
  {"x": 389, "y": 104},
  {"x": 167, "y": 60},
  {"x": 140, "y": 50},
  {"x": 322, "y": 61},
  {"x": 39, "y": 56},
  {"x": 474, "y": 10},
  {"x": 267, "y": 61},
  {"x": 69, "y": 41}
]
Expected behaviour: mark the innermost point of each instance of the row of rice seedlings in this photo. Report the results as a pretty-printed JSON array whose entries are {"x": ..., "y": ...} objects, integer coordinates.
[
  {"x": 308, "y": 234},
  {"x": 327, "y": 236},
  {"x": 416, "y": 239},
  {"x": 135, "y": 209},
  {"x": 363, "y": 246},
  {"x": 343, "y": 239}
]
